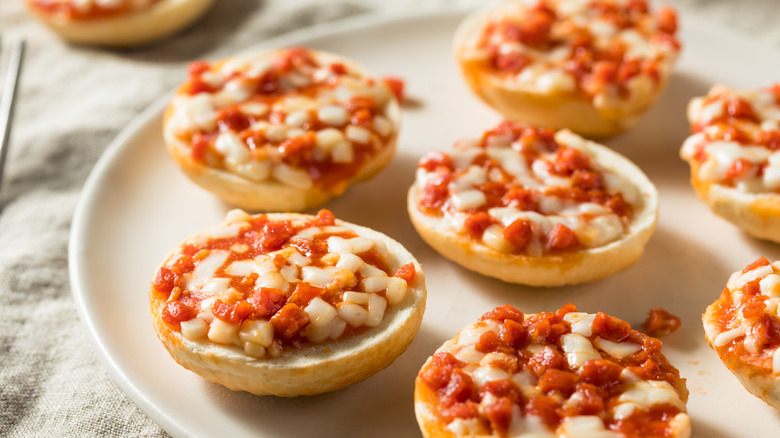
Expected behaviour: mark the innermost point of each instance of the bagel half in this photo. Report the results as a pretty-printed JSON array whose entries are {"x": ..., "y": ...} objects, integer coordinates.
[
  {"x": 309, "y": 124},
  {"x": 488, "y": 252},
  {"x": 241, "y": 334},
  {"x": 734, "y": 166},
  {"x": 592, "y": 68},
  {"x": 127, "y": 26},
  {"x": 745, "y": 341},
  {"x": 563, "y": 374}
]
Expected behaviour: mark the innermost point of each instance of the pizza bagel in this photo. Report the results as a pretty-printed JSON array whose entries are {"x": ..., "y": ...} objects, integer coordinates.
[
  {"x": 284, "y": 130},
  {"x": 287, "y": 304},
  {"x": 590, "y": 66},
  {"x": 743, "y": 327},
  {"x": 733, "y": 156},
  {"x": 118, "y": 23},
  {"x": 565, "y": 374},
  {"x": 533, "y": 206}
]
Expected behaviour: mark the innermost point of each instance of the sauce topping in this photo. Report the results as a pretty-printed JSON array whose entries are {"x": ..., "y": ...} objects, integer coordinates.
[
  {"x": 746, "y": 324},
  {"x": 554, "y": 374},
  {"x": 607, "y": 50},
  {"x": 83, "y": 10},
  {"x": 265, "y": 285},
  {"x": 298, "y": 117},
  {"x": 523, "y": 189},
  {"x": 735, "y": 138}
]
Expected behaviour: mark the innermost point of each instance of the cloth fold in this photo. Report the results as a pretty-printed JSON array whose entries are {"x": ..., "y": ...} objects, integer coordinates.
[{"x": 73, "y": 101}]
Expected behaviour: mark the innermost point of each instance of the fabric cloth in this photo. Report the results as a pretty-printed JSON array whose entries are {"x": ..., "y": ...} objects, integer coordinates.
[{"x": 72, "y": 102}]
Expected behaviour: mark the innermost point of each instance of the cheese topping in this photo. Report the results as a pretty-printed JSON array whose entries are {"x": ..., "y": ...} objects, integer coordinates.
[
  {"x": 735, "y": 138},
  {"x": 295, "y": 116},
  {"x": 89, "y": 9},
  {"x": 542, "y": 376},
  {"x": 264, "y": 285},
  {"x": 745, "y": 324},
  {"x": 528, "y": 190},
  {"x": 610, "y": 51}
]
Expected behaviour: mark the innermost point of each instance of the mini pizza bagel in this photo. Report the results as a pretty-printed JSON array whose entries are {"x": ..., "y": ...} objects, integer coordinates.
[
  {"x": 532, "y": 206},
  {"x": 287, "y": 304},
  {"x": 743, "y": 327},
  {"x": 566, "y": 374},
  {"x": 284, "y": 130},
  {"x": 118, "y": 23},
  {"x": 733, "y": 156},
  {"x": 589, "y": 66}
]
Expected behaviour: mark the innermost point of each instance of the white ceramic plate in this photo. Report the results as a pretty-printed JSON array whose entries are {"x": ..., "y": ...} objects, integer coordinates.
[{"x": 136, "y": 206}]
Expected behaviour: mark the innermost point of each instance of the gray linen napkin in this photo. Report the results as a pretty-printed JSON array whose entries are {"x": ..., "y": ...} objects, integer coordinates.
[{"x": 73, "y": 101}]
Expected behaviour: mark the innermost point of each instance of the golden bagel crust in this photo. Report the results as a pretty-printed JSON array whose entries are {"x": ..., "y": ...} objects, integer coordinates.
[
  {"x": 753, "y": 370},
  {"x": 270, "y": 194},
  {"x": 162, "y": 19},
  {"x": 756, "y": 211},
  {"x": 428, "y": 403},
  {"x": 758, "y": 214},
  {"x": 556, "y": 269},
  {"x": 558, "y": 108},
  {"x": 312, "y": 368}
]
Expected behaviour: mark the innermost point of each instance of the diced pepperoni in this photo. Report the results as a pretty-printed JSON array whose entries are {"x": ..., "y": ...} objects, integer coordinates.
[
  {"x": 396, "y": 86},
  {"x": 232, "y": 119},
  {"x": 502, "y": 314},
  {"x": 522, "y": 199},
  {"x": 436, "y": 159},
  {"x": 545, "y": 360},
  {"x": 435, "y": 191},
  {"x": 466, "y": 409},
  {"x": 196, "y": 86},
  {"x": 513, "y": 333},
  {"x": 304, "y": 293},
  {"x": 667, "y": 20},
  {"x": 660, "y": 323},
  {"x": 588, "y": 179},
  {"x": 273, "y": 235},
  {"x": 297, "y": 150},
  {"x": 488, "y": 342},
  {"x": 499, "y": 414},
  {"x": 475, "y": 224},
  {"x": 289, "y": 321},
  {"x": 519, "y": 233},
  {"x": 175, "y": 312},
  {"x": 437, "y": 373},
  {"x": 197, "y": 68},
  {"x": 561, "y": 238},
  {"x": 503, "y": 389},
  {"x": 200, "y": 144},
  {"x": 234, "y": 313},
  {"x": 770, "y": 139},
  {"x": 511, "y": 62},
  {"x": 737, "y": 169},
  {"x": 338, "y": 68},
  {"x": 590, "y": 401},
  {"x": 459, "y": 388},
  {"x": 600, "y": 372},
  {"x": 267, "y": 301},
  {"x": 546, "y": 408},
  {"x": 407, "y": 273},
  {"x": 165, "y": 280},
  {"x": 739, "y": 109},
  {"x": 566, "y": 308},
  {"x": 567, "y": 160},
  {"x": 558, "y": 380},
  {"x": 610, "y": 328},
  {"x": 761, "y": 261}
]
